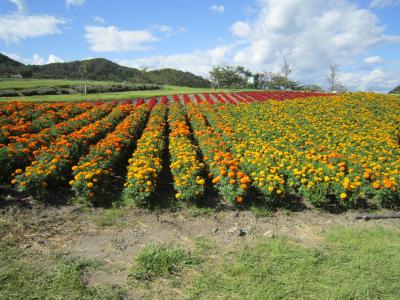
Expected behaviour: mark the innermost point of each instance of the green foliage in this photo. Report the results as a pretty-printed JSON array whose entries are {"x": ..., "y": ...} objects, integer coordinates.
[
  {"x": 83, "y": 70},
  {"x": 8, "y": 93},
  {"x": 279, "y": 82},
  {"x": 160, "y": 261},
  {"x": 350, "y": 264},
  {"x": 227, "y": 76},
  {"x": 9, "y": 67},
  {"x": 176, "y": 77}
]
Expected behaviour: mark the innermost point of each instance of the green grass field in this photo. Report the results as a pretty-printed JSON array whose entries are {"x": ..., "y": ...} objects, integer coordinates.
[
  {"x": 349, "y": 264},
  {"x": 19, "y": 84},
  {"x": 166, "y": 91}
]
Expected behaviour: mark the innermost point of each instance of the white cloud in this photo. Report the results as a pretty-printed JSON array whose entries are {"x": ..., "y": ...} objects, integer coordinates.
[
  {"x": 310, "y": 34},
  {"x": 36, "y": 59},
  {"x": 376, "y": 80},
  {"x": 218, "y": 8},
  {"x": 98, "y": 20},
  {"x": 14, "y": 28},
  {"x": 371, "y": 60},
  {"x": 241, "y": 29},
  {"x": 74, "y": 2},
  {"x": 54, "y": 59},
  {"x": 384, "y": 3},
  {"x": 21, "y": 5},
  {"x": 166, "y": 30},
  {"x": 198, "y": 62},
  {"x": 111, "y": 39},
  {"x": 163, "y": 28}
]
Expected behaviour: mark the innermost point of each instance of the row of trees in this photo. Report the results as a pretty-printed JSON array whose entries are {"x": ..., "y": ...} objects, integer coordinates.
[{"x": 239, "y": 77}]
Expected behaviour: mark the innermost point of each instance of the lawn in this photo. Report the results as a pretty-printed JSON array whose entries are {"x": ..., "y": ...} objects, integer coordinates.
[
  {"x": 349, "y": 264},
  {"x": 19, "y": 84}
]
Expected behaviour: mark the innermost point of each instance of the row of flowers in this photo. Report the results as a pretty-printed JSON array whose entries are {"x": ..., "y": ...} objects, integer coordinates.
[
  {"x": 341, "y": 148},
  {"x": 19, "y": 154},
  {"x": 145, "y": 164},
  {"x": 52, "y": 165},
  {"x": 185, "y": 165},
  {"x": 14, "y": 110},
  {"x": 231, "y": 182},
  {"x": 270, "y": 184},
  {"x": 45, "y": 116},
  {"x": 95, "y": 173}
]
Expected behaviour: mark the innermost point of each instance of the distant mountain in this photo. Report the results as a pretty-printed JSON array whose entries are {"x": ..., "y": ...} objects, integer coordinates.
[
  {"x": 9, "y": 67},
  {"x": 99, "y": 69},
  {"x": 395, "y": 90}
]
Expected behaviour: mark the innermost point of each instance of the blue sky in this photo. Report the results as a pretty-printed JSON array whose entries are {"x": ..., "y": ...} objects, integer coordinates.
[{"x": 362, "y": 37}]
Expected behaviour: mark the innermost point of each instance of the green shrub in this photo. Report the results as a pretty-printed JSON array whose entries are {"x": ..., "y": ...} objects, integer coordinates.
[
  {"x": 29, "y": 92},
  {"x": 47, "y": 91},
  {"x": 9, "y": 93}
]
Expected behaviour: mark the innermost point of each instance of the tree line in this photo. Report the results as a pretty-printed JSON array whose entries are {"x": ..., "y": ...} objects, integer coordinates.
[{"x": 240, "y": 77}]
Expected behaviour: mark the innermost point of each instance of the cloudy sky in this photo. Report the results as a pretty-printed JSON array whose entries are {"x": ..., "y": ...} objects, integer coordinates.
[{"x": 363, "y": 37}]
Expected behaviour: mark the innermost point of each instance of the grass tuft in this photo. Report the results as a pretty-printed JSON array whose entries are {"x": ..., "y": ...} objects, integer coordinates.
[
  {"x": 109, "y": 217},
  {"x": 160, "y": 261}
]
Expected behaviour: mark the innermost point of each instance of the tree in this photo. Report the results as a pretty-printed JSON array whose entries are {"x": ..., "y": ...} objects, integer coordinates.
[
  {"x": 228, "y": 76},
  {"x": 333, "y": 78},
  {"x": 260, "y": 80},
  {"x": 83, "y": 71},
  {"x": 216, "y": 76},
  {"x": 276, "y": 81},
  {"x": 286, "y": 70}
]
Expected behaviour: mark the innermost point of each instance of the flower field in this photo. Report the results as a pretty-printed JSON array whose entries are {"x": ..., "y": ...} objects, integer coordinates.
[{"x": 326, "y": 149}]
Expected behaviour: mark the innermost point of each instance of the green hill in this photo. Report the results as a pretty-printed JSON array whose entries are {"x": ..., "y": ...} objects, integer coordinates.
[
  {"x": 99, "y": 69},
  {"x": 10, "y": 67},
  {"x": 395, "y": 90}
]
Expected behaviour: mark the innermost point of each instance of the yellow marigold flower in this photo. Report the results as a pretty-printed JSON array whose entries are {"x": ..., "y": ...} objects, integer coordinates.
[{"x": 201, "y": 181}]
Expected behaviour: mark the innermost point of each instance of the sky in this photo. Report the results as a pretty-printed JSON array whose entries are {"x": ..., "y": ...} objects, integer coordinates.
[{"x": 361, "y": 37}]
